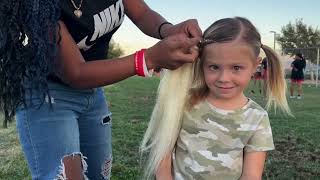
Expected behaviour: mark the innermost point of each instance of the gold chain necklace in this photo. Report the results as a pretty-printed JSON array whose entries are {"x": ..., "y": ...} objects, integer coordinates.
[{"x": 77, "y": 12}]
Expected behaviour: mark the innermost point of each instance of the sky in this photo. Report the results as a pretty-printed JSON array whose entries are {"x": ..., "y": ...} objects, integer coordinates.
[{"x": 267, "y": 15}]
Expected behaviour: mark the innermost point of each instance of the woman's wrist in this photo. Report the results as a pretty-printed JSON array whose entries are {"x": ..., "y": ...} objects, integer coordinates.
[
  {"x": 149, "y": 59},
  {"x": 163, "y": 29}
]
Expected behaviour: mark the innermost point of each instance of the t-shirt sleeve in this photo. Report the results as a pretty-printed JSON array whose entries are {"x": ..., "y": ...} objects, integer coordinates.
[{"x": 262, "y": 139}]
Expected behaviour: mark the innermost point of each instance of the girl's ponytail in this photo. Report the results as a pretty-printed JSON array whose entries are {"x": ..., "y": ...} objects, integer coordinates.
[
  {"x": 276, "y": 84},
  {"x": 166, "y": 118}
]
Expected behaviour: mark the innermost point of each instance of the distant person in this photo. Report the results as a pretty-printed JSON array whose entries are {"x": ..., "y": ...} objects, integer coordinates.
[
  {"x": 258, "y": 73},
  {"x": 297, "y": 75},
  {"x": 258, "y": 76},
  {"x": 209, "y": 129},
  {"x": 264, "y": 71}
]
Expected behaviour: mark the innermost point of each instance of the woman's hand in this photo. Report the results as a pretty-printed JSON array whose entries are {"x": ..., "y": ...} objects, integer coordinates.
[
  {"x": 172, "y": 52},
  {"x": 189, "y": 27}
]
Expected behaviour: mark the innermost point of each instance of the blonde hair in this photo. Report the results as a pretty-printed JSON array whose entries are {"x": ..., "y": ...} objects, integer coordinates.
[
  {"x": 181, "y": 89},
  {"x": 276, "y": 83},
  {"x": 164, "y": 126}
]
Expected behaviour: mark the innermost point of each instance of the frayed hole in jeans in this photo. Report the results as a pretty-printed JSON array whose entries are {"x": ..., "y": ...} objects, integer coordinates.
[
  {"x": 106, "y": 120},
  {"x": 106, "y": 168},
  {"x": 62, "y": 175}
]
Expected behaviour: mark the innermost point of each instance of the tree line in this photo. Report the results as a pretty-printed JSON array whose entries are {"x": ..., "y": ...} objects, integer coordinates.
[{"x": 299, "y": 37}]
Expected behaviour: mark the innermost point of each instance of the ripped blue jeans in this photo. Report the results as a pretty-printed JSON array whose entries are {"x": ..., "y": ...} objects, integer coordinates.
[{"x": 77, "y": 122}]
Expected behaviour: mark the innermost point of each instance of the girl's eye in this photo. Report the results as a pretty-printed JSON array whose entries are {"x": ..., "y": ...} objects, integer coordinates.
[
  {"x": 213, "y": 67},
  {"x": 237, "y": 68}
]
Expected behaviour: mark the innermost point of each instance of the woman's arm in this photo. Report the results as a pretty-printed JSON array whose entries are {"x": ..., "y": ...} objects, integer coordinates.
[
  {"x": 253, "y": 164},
  {"x": 148, "y": 21},
  {"x": 75, "y": 71},
  {"x": 164, "y": 170}
]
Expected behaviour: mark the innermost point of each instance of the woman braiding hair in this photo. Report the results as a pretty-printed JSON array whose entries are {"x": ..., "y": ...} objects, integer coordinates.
[{"x": 53, "y": 66}]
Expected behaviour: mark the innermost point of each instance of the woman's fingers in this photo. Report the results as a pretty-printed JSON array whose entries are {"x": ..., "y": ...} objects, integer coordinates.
[{"x": 173, "y": 52}]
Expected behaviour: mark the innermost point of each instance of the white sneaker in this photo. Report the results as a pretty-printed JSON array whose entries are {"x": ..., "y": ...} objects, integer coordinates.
[
  {"x": 299, "y": 97},
  {"x": 291, "y": 97}
]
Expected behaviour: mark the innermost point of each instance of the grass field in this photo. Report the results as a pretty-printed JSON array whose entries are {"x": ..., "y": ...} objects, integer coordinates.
[{"x": 297, "y": 140}]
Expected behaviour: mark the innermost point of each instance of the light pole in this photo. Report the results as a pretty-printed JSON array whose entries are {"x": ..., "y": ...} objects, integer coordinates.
[{"x": 274, "y": 39}]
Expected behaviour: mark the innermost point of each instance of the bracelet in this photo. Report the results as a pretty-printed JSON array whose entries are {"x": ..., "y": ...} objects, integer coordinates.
[
  {"x": 160, "y": 26},
  {"x": 140, "y": 64}
]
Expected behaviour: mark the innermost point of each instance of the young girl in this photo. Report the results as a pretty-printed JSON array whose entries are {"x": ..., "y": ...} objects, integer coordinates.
[{"x": 207, "y": 128}]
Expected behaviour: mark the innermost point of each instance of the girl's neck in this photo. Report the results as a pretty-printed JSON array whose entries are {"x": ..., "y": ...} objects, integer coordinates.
[{"x": 232, "y": 104}]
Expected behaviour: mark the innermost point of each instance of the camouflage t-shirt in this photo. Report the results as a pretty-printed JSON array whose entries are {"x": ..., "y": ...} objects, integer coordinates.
[{"x": 212, "y": 141}]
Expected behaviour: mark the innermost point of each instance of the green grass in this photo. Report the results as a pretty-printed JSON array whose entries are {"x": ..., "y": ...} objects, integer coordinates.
[
  {"x": 12, "y": 163},
  {"x": 297, "y": 140}
]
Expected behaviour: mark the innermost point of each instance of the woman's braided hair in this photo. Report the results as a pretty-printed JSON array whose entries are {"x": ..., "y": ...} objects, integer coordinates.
[{"x": 28, "y": 48}]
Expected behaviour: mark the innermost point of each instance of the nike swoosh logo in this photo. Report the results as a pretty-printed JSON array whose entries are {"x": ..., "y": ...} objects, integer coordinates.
[{"x": 82, "y": 44}]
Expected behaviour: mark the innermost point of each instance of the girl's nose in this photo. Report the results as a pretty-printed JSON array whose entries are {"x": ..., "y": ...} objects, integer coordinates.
[{"x": 224, "y": 76}]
